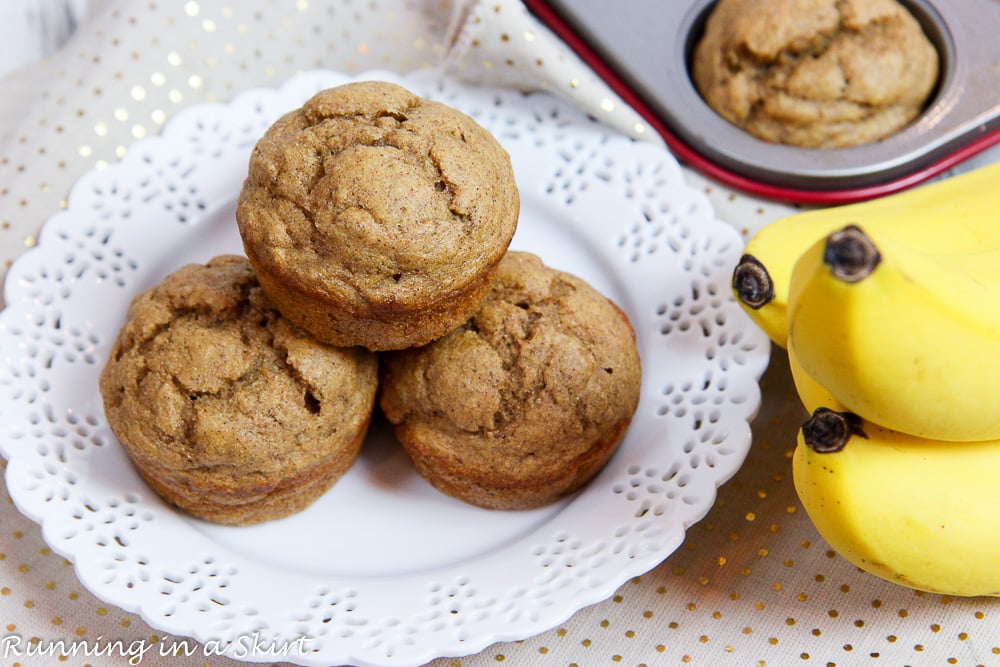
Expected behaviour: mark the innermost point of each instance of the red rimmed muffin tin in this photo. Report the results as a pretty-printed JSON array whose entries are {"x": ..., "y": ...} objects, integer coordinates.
[{"x": 641, "y": 48}]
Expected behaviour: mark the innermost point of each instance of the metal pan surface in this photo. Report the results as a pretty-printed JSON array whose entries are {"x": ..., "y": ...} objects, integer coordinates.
[{"x": 642, "y": 48}]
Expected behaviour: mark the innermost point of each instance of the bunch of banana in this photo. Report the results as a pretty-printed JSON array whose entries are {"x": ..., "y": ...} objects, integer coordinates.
[
  {"x": 920, "y": 513},
  {"x": 931, "y": 218},
  {"x": 890, "y": 313},
  {"x": 907, "y": 339}
]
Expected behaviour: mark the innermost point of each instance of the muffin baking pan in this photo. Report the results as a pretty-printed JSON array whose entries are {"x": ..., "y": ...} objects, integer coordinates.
[{"x": 641, "y": 48}]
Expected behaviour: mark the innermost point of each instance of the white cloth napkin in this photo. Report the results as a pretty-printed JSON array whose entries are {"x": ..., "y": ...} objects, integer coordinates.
[{"x": 503, "y": 44}]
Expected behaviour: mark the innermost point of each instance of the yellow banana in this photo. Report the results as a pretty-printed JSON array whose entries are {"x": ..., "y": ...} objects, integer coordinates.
[
  {"x": 812, "y": 394},
  {"x": 920, "y": 513},
  {"x": 908, "y": 340},
  {"x": 954, "y": 215}
]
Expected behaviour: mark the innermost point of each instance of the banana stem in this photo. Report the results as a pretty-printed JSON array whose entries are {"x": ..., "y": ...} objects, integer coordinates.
[
  {"x": 850, "y": 254},
  {"x": 752, "y": 282},
  {"x": 828, "y": 431}
]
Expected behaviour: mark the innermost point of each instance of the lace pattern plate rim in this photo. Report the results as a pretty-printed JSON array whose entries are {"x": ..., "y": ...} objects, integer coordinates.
[{"x": 382, "y": 571}]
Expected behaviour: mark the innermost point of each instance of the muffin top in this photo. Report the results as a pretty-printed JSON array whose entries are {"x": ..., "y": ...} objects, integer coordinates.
[
  {"x": 815, "y": 73},
  {"x": 373, "y": 195},
  {"x": 546, "y": 369},
  {"x": 208, "y": 380}
]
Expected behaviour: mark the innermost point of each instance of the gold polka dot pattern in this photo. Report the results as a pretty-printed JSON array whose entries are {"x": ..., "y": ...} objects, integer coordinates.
[
  {"x": 135, "y": 64},
  {"x": 752, "y": 585}
]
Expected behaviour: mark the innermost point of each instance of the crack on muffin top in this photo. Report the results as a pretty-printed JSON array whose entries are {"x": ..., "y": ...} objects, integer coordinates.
[
  {"x": 375, "y": 195},
  {"x": 213, "y": 378},
  {"x": 526, "y": 376},
  {"x": 819, "y": 73}
]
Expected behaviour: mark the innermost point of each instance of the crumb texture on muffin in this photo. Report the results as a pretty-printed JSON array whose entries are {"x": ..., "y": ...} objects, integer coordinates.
[
  {"x": 815, "y": 73},
  {"x": 524, "y": 402},
  {"x": 377, "y": 198},
  {"x": 227, "y": 409}
]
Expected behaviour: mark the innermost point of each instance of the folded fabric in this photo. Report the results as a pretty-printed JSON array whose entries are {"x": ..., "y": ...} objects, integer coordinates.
[{"x": 501, "y": 43}]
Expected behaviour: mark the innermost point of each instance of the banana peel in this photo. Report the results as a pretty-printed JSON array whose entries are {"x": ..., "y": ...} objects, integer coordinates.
[
  {"x": 956, "y": 215},
  {"x": 907, "y": 339},
  {"x": 915, "y": 512}
]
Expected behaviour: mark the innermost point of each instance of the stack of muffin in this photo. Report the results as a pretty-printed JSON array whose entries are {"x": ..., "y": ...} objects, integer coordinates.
[{"x": 376, "y": 227}]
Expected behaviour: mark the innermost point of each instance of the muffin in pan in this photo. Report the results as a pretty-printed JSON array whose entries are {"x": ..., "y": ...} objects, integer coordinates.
[
  {"x": 815, "y": 73},
  {"x": 375, "y": 217},
  {"x": 227, "y": 410},
  {"x": 527, "y": 400}
]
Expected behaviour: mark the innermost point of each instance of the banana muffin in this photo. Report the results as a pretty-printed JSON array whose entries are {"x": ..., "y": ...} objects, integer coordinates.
[
  {"x": 375, "y": 217},
  {"x": 815, "y": 73},
  {"x": 227, "y": 410},
  {"x": 526, "y": 401}
]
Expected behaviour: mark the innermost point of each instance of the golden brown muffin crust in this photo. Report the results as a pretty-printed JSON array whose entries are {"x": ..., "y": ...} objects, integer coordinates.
[
  {"x": 525, "y": 401},
  {"x": 378, "y": 200},
  {"x": 815, "y": 73},
  {"x": 221, "y": 402}
]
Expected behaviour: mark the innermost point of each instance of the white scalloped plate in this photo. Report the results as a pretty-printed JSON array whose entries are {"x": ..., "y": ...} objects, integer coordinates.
[{"x": 383, "y": 570}]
